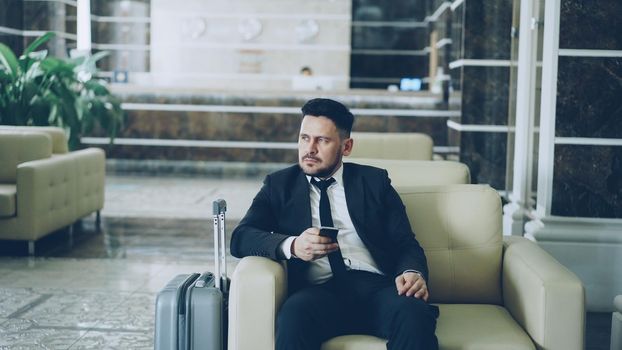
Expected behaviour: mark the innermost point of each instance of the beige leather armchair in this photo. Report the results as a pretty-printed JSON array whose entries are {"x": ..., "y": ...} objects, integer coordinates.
[
  {"x": 43, "y": 186},
  {"x": 493, "y": 292},
  {"x": 392, "y": 145}
]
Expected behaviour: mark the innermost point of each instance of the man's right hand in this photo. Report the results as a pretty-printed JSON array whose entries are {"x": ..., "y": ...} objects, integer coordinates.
[{"x": 311, "y": 246}]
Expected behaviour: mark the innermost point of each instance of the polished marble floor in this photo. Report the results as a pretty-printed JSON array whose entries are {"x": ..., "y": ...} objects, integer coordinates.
[{"x": 98, "y": 290}]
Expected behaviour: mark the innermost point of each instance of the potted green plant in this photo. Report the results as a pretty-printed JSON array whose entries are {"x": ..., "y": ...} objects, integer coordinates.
[{"x": 39, "y": 90}]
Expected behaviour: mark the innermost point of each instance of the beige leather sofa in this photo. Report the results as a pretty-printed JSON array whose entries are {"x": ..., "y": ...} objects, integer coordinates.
[
  {"x": 392, "y": 145},
  {"x": 43, "y": 186},
  {"x": 494, "y": 292}
]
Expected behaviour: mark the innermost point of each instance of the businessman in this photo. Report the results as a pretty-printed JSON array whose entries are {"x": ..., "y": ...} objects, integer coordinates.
[{"x": 368, "y": 279}]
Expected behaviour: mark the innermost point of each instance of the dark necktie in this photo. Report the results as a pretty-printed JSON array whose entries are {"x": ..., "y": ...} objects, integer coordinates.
[{"x": 326, "y": 219}]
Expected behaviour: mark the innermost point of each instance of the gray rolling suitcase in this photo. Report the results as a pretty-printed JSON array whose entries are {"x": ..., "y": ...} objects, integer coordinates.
[{"x": 191, "y": 310}]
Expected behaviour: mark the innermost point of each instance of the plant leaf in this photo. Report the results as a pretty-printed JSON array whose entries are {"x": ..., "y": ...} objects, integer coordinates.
[
  {"x": 34, "y": 71},
  {"x": 37, "y": 89},
  {"x": 34, "y": 57},
  {"x": 8, "y": 59},
  {"x": 98, "y": 56},
  {"x": 40, "y": 40}
]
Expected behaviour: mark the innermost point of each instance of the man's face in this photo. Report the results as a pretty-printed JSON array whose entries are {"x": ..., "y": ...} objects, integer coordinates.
[{"x": 320, "y": 148}]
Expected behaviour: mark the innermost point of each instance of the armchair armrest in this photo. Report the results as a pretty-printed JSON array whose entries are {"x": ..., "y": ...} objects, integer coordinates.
[
  {"x": 45, "y": 195},
  {"x": 90, "y": 166},
  {"x": 544, "y": 297},
  {"x": 258, "y": 288}
]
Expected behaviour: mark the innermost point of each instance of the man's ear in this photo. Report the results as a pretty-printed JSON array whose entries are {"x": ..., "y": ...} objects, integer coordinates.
[{"x": 347, "y": 146}]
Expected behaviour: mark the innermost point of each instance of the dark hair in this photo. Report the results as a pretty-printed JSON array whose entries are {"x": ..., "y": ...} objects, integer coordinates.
[{"x": 333, "y": 110}]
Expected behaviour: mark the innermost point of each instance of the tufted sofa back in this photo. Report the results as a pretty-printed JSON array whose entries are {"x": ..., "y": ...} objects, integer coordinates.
[
  {"x": 56, "y": 134},
  {"x": 459, "y": 227}
]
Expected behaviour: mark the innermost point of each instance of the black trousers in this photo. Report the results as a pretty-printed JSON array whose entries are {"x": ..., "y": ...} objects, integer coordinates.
[{"x": 360, "y": 303}]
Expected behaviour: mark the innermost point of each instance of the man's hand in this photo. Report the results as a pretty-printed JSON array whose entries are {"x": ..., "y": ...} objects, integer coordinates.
[
  {"x": 311, "y": 246},
  {"x": 412, "y": 284}
]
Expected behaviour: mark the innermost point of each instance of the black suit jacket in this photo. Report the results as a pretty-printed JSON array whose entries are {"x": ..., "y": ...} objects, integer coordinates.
[{"x": 282, "y": 209}]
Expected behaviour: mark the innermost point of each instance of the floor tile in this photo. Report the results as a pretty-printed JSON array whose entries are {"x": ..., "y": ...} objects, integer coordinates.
[
  {"x": 137, "y": 313},
  {"x": 13, "y": 300},
  {"x": 37, "y": 278},
  {"x": 73, "y": 308},
  {"x": 114, "y": 340},
  {"x": 27, "y": 335},
  {"x": 4, "y": 272},
  {"x": 185, "y": 198},
  {"x": 9, "y": 263}
]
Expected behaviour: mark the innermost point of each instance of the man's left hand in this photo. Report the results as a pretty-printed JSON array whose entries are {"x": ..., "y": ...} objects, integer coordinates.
[{"x": 412, "y": 284}]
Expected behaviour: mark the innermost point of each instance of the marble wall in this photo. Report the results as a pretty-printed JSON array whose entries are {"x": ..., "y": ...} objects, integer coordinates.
[
  {"x": 254, "y": 126},
  {"x": 587, "y": 180},
  {"x": 487, "y": 27},
  {"x": 588, "y": 97},
  {"x": 480, "y": 69},
  {"x": 485, "y": 92},
  {"x": 485, "y": 153},
  {"x": 590, "y": 24}
]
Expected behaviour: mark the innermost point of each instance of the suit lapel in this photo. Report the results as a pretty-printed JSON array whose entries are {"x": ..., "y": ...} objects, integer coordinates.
[
  {"x": 355, "y": 197},
  {"x": 300, "y": 203}
]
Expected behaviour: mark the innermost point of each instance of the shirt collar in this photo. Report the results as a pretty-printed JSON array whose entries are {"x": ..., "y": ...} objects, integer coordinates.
[{"x": 338, "y": 176}]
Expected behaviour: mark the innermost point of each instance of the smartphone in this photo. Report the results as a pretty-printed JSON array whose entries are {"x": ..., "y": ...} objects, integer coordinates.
[{"x": 329, "y": 232}]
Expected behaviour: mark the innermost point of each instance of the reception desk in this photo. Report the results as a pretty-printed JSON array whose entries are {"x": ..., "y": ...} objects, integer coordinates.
[{"x": 207, "y": 125}]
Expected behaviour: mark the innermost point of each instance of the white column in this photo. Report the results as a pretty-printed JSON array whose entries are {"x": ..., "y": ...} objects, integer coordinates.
[
  {"x": 515, "y": 212},
  {"x": 84, "y": 26},
  {"x": 550, "y": 53}
]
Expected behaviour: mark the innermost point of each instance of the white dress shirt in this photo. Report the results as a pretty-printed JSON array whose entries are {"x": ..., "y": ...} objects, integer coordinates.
[{"x": 355, "y": 254}]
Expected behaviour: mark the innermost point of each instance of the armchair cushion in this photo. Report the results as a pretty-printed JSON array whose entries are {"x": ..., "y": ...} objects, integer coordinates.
[
  {"x": 459, "y": 227},
  {"x": 479, "y": 326},
  {"x": 7, "y": 200},
  {"x": 459, "y": 326}
]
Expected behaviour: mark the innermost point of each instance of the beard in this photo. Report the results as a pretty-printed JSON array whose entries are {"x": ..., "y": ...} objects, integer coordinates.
[{"x": 321, "y": 172}]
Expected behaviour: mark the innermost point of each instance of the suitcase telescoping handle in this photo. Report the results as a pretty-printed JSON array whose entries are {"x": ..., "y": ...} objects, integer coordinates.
[{"x": 220, "y": 255}]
